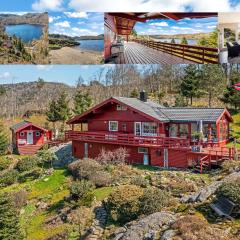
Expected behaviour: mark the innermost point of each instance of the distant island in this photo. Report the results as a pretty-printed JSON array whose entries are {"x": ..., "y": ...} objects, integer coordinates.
[{"x": 195, "y": 36}]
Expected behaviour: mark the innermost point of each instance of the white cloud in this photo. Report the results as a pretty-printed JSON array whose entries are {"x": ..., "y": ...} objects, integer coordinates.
[
  {"x": 152, "y": 5},
  {"x": 44, "y": 67},
  {"x": 159, "y": 24},
  {"x": 211, "y": 27},
  {"x": 64, "y": 24},
  {"x": 44, "y": 5},
  {"x": 76, "y": 14},
  {"x": 52, "y": 19},
  {"x": 5, "y": 75}
]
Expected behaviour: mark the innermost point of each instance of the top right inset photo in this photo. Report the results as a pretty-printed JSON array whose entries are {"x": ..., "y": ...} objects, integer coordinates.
[{"x": 229, "y": 36}]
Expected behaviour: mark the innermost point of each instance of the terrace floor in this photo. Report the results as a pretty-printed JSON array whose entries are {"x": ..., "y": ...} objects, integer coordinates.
[{"x": 135, "y": 53}]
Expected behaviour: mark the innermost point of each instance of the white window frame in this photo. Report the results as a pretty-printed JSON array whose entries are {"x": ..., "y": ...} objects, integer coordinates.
[
  {"x": 38, "y": 134},
  {"x": 148, "y": 134},
  {"x": 121, "y": 107},
  {"x": 109, "y": 126},
  {"x": 22, "y": 134},
  {"x": 143, "y": 150}
]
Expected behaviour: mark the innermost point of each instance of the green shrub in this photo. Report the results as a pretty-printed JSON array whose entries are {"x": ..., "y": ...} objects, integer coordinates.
[
  {"x": 86, "y": 200},
  {"x": 30, "y": 175},
  {"x": 5, "y": 162},
  {"x": 123, "y": 204},
  {"x": 3, "y": 140},
  {"x": 80, "y": 189},
  {"x": 27, "y": 163},
  {"x": 153, "y": 200},
  {"x": 139, "y": 181},
  {"x": 101, "y": 179},
  {"x": 8, "y": 178},
  {"x": 229, "y": 166},
  {"x": 230, "y": 190},
  {"x": 83, "y": 169},
  {"x": 46, "y": 157}
]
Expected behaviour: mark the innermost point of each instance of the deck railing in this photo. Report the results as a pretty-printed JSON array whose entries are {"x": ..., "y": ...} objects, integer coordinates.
[
  {"x": 193, "y": 53},
  {"x": 128, "y": 139}
]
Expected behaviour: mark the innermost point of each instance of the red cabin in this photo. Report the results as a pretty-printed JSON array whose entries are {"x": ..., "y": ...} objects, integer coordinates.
[
  {"x": 28, "y": 138},
  {"x": 152, "y": 134}
]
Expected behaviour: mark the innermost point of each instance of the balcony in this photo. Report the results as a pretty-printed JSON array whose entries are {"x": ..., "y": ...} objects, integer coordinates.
[{"x": 128, "y": 139}]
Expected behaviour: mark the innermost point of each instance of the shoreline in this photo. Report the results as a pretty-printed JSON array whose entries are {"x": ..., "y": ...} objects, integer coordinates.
[{"x": 75, "y": 55}]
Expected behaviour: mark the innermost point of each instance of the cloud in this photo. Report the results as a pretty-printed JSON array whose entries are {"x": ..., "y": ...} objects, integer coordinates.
[
  {"x": 44, "y": 5},
  {"x": 44, "y": 67},
  {"x": 64, "y": 24},
  {"x": 76, "y": 14},
  {"x": 52, "y": 19},
  {"x": 152, "y": 5},
  {"x": 5, "y": 75},
  {"x": 159, "y": 24}
]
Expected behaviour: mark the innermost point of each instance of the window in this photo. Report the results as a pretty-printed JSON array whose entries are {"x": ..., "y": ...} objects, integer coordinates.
[
  {"x": 142, "y": 150},
  {"x": 113, "y": 126},
  {"x": 38, "y": 134},
  {"x": 22, "y": 134},
  {"x": 121, "y": 108},
  {"x": 173, "y": 129},
  {"x": 183, "y": 130},
  {"x": 149, "y": 129}
]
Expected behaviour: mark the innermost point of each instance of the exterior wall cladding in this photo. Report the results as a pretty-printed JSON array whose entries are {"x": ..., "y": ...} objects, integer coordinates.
[{"x": 176, "y": 158}]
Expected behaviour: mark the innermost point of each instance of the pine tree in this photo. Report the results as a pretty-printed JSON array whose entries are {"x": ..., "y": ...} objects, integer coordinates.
[
  {"x": 3, "y": 141},
  {"x": 9, "y": 221},
  {"x": 134, "y": 93},
  {"x": 52, "y": 114},
  {"x": 190, "y": 85},
  {"x": 82, "y": 102}
]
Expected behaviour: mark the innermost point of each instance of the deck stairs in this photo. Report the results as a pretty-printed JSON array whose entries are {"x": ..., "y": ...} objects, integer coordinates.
[{"x": 28, "y": 149}]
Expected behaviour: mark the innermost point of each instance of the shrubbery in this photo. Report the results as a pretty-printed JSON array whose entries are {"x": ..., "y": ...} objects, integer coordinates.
[
  {"x": 229, "y": 166},
  {"x": 123, "y": 204},
  {"x": 101, "y": 179},
  {"x": 153, "y": 200},
  {"x": 8, "y": 178},
  {"x": 5, "y": 162},
  {"x": 27, "y": 163},
  {"x": 139, "y": 181}
]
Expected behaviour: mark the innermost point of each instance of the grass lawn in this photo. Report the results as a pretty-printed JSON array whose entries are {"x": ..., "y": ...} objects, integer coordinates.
[
  {"x": 102, "y": 193},
  {"x": 146, "y": 167}
]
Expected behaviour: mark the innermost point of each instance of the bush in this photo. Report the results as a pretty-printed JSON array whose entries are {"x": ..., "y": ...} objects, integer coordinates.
[
  {"x": 230, "y": 166},
  {"x": 46, "y": 157},
  {"x": 80, "y": 189},
  {"x": 230, "y": 190},
  {"x": 83, "y": 169},
  {"x": 139, "y": 181},
  {"x": 5, "y": 162},
  {"x": 101, "y": 179},
  {"x": 19, "y": 199},
  {"x": 153, "y": 200},
  {"x": 27, "y": 163},
  {"x": 30, "y": 175},
  {"x": 116, "y": 157},
  {"x": 8, "y": 178},
  {"x": 3, "y": 140},
  {"x": 123, "y": 204}
]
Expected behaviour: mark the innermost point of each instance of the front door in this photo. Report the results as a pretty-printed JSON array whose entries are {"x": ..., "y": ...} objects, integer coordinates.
[
  {"x": 85, "y": 150},
  {"x": 30, "y": 137},
  {"x": 137, "y": 128},
  {"x": 145, "y": 159},
  {"x": 166, "y": 158}
]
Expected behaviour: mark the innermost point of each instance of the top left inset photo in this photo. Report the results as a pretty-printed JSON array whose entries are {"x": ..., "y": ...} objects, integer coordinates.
[{"x": 24, "y": 38}]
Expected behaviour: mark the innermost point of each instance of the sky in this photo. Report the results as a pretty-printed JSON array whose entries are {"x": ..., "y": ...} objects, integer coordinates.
[
  {"x": 76, "y": 23},
  {"x": 67, "y": 74},
  {"x": 120, "y": 6},
  {"x": 169, "y": 27}
]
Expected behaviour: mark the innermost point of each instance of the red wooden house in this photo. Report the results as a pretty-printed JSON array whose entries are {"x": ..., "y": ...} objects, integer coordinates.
[
  {"x": 152, "y": 134},
  {"x": 28, "y": 138}
]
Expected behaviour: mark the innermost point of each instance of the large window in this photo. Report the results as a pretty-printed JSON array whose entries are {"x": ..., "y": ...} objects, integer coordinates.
[
  {"x": 173, "y": 130},
  {"x": 149, "y": 129},
  {"x": 113, "y": 126},
  {"x": 183, "y": 130}
]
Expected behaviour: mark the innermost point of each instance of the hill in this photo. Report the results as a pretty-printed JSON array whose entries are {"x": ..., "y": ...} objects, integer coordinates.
[{"x": 180, "y": 36}]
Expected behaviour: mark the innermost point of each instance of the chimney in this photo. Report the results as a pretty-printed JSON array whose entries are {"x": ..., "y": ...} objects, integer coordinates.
[{"x": 143, "y": 96}]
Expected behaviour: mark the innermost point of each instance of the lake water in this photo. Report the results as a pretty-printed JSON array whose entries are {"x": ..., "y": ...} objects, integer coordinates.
[
  {"x": 94, "y": 45},
  {"x": 168, "y": 40},
  {"x": 27, "y": 32}
]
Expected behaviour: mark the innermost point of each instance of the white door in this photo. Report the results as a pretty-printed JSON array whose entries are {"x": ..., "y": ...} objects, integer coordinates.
[
  {"x": 85, "y": 150},
  {"x": 137, "y": 128},
  {"x": 30, "y": 137},
  {"x": 145, "y": 159},
  {"x": 166, "y": 158}
]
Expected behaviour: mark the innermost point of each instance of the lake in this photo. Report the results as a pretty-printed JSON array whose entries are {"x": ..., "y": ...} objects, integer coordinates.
[
  {"x": 94, "y": 45},
  {"x": 27, "y": 32},
  {"x": 168, "y": 40}
]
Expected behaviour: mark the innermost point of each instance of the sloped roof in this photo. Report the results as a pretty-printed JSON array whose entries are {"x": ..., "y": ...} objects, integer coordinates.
[{"x": 23, "y": 125}]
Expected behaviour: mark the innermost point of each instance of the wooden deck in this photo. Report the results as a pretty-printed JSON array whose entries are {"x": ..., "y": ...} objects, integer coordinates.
[{"x": 135, "y": 53}]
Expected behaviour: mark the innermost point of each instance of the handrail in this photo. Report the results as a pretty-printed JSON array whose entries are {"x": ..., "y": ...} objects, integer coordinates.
[
  {"x": 128, "y": 139},
  {"x": 198, "y": 54}
]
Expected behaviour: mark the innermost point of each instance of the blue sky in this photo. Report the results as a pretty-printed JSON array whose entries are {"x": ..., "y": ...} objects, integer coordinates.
[
  {"x": 120, "y": 6},
  {"x": 53, "y": 73},
  {"x": 169, "y": 27},
  {"x": 76, "y": 23}
]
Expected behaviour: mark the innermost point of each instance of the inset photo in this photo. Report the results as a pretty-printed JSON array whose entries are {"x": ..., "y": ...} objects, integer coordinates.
[
  {"x": 161, "y": 38},
  {"x": 23, "y": 38},
  {"x": 229, "y": 35},
  {"x": 76, "y": 38}
]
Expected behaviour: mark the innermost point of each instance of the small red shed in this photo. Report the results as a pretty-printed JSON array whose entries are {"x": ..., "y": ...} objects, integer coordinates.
[{"x": 28, "y": 138}]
